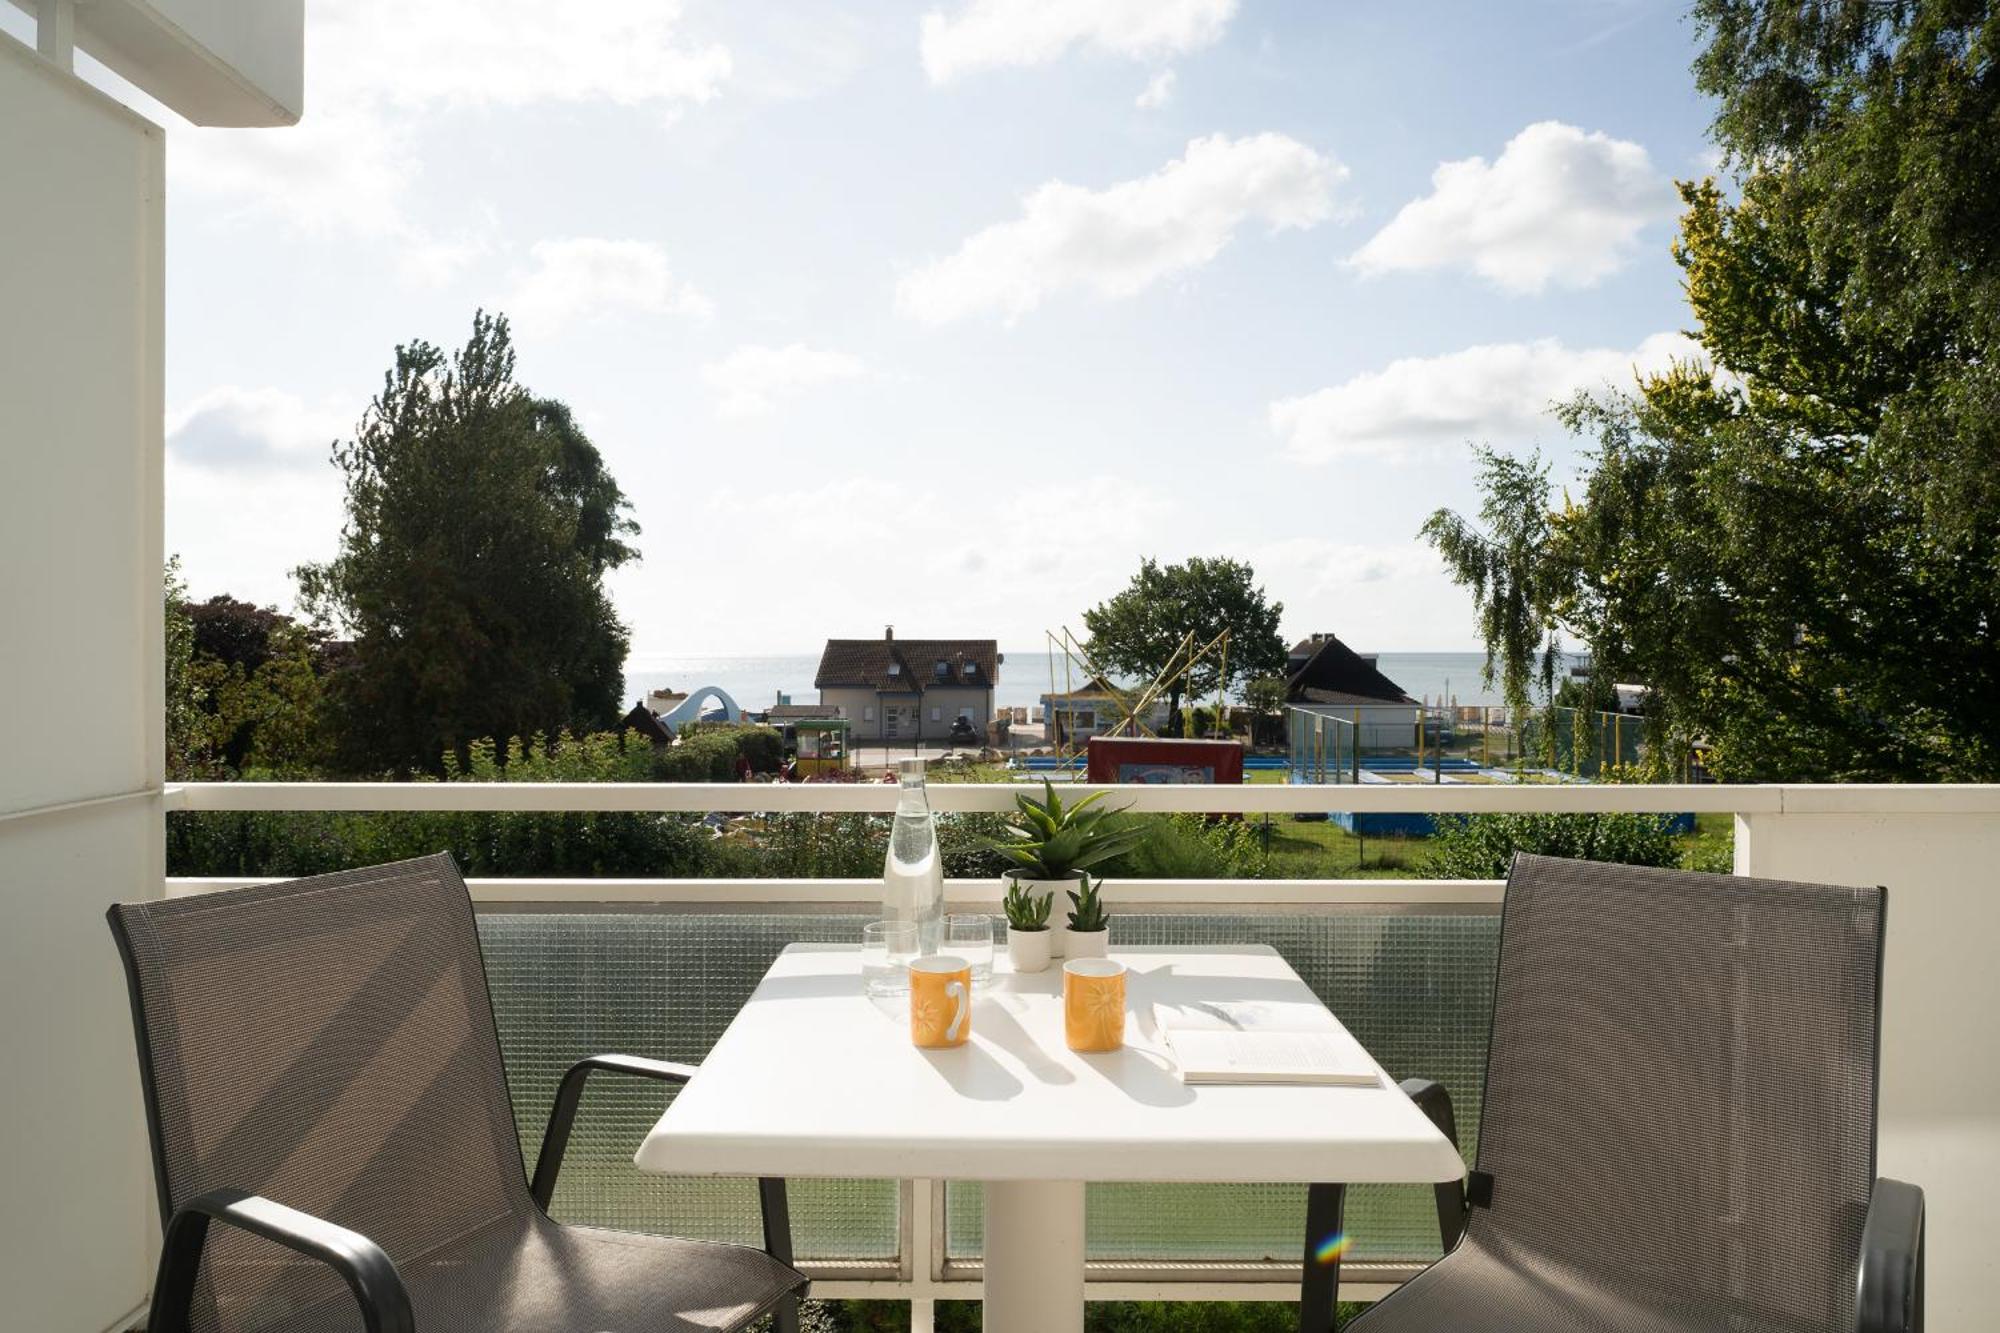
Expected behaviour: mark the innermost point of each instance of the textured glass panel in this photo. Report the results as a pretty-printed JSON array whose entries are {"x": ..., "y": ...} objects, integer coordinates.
[
  {"x": 665, "y": 985},
  {"x": 1415, "y": 988}
]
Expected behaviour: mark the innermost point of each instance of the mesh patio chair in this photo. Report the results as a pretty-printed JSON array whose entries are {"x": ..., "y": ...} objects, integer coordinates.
[
  {"x": 1679, "y": 1123},
  {"x": 322, "y": 1077}
]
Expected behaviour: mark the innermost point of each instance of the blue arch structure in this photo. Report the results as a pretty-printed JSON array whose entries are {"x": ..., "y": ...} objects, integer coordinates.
[{"x": 689, "y": 709}]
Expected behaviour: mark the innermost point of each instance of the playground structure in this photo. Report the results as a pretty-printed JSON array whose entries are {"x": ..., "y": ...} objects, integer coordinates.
[
  {"x": 1133, "y": 706},
  {"x": 676, "y": 710}
]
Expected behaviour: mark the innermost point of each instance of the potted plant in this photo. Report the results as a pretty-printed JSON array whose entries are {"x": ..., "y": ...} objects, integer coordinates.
[
  {"x": 1089, "y": 931},
  {"x": 1028, "y": 933},
  {"x": 1053, "y": 844}
]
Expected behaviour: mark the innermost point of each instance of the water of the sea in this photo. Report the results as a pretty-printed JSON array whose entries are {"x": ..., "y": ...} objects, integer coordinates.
[{"x": 755, "y": 682}]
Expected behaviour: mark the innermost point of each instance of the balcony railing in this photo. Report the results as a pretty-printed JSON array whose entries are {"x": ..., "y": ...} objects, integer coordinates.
[{"x": 661, "y": 965}]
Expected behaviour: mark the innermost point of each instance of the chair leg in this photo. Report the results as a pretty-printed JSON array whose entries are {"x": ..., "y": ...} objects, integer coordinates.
[
  {"x": 778, "y": 1244},
  {"x": 1319, "y": 1291}
]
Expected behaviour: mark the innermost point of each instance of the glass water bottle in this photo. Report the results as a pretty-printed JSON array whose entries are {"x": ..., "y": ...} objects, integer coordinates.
[{"x": 913, "y": 875}]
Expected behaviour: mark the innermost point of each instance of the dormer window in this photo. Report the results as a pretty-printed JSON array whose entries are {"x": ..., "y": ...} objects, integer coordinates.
[
  {"x": 971, "y": 670},
  {"x": 943, "y": 669},
  {"x": 895, "y": 668}
]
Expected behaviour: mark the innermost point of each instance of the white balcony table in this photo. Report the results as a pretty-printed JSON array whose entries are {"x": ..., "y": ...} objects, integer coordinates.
[{"x": 815, "y": 1079}]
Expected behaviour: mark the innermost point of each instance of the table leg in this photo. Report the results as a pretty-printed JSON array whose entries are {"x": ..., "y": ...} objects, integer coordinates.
[
  {"x": 1034, "y": 1257},
  {"x": 1319, "y": 1294}
]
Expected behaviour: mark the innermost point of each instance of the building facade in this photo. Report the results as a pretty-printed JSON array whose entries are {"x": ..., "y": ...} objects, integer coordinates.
[{"x": 905, "y": 690}]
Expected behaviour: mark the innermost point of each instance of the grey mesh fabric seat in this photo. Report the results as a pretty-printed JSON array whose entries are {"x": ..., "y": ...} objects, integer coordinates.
[
  {"x": 322, "y": 1075},
  {"x": 1679, "y": 1122}
]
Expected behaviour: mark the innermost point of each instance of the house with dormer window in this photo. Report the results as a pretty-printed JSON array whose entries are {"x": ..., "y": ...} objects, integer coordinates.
[{"x": 892, "y": 689}]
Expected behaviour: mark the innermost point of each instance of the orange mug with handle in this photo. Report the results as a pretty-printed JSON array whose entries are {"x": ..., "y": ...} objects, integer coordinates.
[
  {"x": 940, "y": 1001},
  {"x": 1094, "y": 1004}
]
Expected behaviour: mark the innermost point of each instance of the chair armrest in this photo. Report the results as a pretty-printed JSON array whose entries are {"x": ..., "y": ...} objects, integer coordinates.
[
  {"x": 548, "y": 1163},
  {"x": 1432, "y": 1099},
  {"x": 562, "y": 1115},
  {"x": 1890, "y": 1295},
  {"x": 369, "y": 1273}
]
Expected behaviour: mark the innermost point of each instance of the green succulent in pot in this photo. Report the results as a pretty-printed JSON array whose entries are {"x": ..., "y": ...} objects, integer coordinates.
[
  {"x": 1053, "y": 844},
  {"x": 1030, "y": 942},
  {"x": 1050, "y": 840},
  {"x": 1087, "y": 908},
  {"x": 1026, "y": 910}
]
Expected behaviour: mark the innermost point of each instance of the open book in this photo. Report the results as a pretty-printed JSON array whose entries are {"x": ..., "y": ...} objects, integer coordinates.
[{"x": 1255, "y": 1041}]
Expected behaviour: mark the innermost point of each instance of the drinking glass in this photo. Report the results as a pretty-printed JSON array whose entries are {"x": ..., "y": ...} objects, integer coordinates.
[
  {"x": 971, "y": 938},
  {"x": 886, "y": 950}
]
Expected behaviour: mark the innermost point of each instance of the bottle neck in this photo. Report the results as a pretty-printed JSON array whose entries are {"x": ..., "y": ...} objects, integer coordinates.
[{"x": 911, "y": 798}]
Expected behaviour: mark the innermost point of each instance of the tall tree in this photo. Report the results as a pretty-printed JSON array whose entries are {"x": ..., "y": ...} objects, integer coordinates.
[
  {"x": 186, "y": 735},
  {"x": 480, "y": 524},
  {"x": 1801, "y": 555},
  {"x": 1138, "y": 632}
]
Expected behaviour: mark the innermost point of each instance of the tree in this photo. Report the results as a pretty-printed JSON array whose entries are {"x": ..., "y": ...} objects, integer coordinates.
[
  {"x": 233, "y": 632},
  {"x": 1802, "y": 555},
  {"x": 1138, "y": 632},
  {"x": 480, "y": 524},
  {"x": 186, "y": 734}
]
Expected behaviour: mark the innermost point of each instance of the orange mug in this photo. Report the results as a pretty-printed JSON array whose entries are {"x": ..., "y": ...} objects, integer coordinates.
[
  {"x": 1094, "y": 1004},
  {"x": 940, "y": 1001}
]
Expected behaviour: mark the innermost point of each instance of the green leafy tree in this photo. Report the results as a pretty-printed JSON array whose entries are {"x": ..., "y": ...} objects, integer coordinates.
[
  {"x": 1800, "y": 555},
  {"x": 1139, "y": 632},
  {"x": 187, "y": 734},
  {"x": 480, "y": 524},
  {"x": 271, "y": 721}
]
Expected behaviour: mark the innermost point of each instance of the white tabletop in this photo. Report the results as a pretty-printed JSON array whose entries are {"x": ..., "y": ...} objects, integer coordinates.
[{"x": 815, "y": 1079}]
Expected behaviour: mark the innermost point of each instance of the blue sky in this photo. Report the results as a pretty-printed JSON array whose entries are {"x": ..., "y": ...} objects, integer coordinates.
[{"x": 944, "y": 314}]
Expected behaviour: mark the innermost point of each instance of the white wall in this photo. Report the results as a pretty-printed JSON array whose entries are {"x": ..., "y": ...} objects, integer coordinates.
[
  {"x": 217, "y": 62},
  {"x": 80, "y": 683},
  {"x": 1940, "y": 1096}
]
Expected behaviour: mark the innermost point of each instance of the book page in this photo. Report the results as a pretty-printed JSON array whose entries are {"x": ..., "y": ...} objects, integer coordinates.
[
  {"x": 1242, "y": 1016},
  {"x": 1270, "y": 1057}
]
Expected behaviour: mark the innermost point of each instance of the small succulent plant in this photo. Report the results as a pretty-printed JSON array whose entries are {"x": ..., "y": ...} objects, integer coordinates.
[
  {"x": 1087, "y": 909},
  {"x": 1025, "y": 910}
]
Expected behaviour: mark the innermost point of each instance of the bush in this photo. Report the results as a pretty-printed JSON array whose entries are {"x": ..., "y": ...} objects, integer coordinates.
[
  {"x": 763, "y": 746},
  {"x": 1483, "y": 846},
  {"x": 1186, "y": 846}
]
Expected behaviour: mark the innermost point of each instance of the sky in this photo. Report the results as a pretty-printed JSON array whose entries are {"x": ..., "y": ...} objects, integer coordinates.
[{"x": 943, "y": 314}]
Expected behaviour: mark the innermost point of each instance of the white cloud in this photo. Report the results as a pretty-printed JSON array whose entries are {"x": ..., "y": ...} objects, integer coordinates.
[
  {"x": 337, "y": 172},
  {"x": 510, "y": 53},
  {"x": 990, "y": 34},
  {"x": 231, "y": 428},
  {"x": 969, "y": 534},
  {"x": 379, "y": 69},
  {"x": 1388, "y": 595},
  {"x": 1493, "y": 392},
  {"x": 1557, "y": 206},
  {"x": 1120, "y": 240},
  {"x": 251, "y": 489},
  {"x": 753, "y": 380},
  {"x": 1157, "y": 92},
  {"x": 579, "y": 278}
]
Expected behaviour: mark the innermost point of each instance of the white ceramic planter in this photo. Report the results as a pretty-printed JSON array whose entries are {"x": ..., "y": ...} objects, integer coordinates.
[
  {"x": 1085, "y": 943},
  {"x": 1028, "y": 950},
  {"x": 1057, "y": 890}
]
